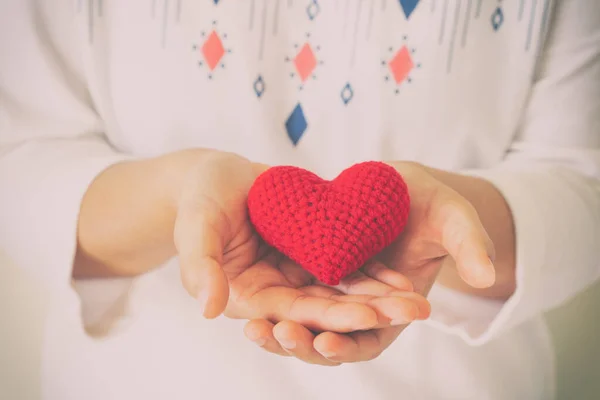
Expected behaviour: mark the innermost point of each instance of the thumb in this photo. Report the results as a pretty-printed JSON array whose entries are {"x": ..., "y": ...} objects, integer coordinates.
[
  {"x": 467, "y": 241},
  {"x": 199, "y": 242}
]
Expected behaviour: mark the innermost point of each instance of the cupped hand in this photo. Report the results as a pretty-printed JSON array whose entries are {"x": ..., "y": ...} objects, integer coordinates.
[
  {"x": 226, "y": 266},
  {"x": 442, "y": 226},
  {"x": 289, "y": 338}
]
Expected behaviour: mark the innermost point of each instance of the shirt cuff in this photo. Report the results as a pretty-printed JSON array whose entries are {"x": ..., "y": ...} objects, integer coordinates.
[{"x": 45, "y": 182}]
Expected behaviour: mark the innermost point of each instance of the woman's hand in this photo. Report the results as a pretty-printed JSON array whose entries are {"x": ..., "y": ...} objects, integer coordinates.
[
  {"x": 289, "y": 338},
  {"x": 442, "y": 226},
  {"x": 226, "y": 266}
]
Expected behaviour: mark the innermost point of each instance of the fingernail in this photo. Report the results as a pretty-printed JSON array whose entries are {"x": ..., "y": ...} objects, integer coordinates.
[
  {"x": 288, "y": 344},
  {"x": 327, "y": 354},
  {"x": 400, "y": 321},
  {"x": 411, "y": 313},
  {"x": 260, "y": 342},
  {"x": 203, "y": 300},
  {"x": 485, "y": 275}
]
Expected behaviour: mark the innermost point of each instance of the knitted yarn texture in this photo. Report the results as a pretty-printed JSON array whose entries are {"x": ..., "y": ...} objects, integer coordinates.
[{"x": 330, "y": 228}]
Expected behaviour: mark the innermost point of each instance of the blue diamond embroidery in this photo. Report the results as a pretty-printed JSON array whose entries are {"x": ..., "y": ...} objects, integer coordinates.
[
  {"x": 216, "y": 2},
  {"x": 259, "y": 86},
  {"x": 313, "y": 9},
  {"x": 296, "y": 124},
  {"x": 497, "y": 18},
  {"x": 408, "y": 6},
  {"x": 347, "y": 93}
]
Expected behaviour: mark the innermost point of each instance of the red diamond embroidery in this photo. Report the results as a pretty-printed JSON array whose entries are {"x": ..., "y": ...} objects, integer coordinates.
[
  {"x": 213, "y": 50},
  {"x": 401, "y": 65},
  {"x": 305, "y": 62}
]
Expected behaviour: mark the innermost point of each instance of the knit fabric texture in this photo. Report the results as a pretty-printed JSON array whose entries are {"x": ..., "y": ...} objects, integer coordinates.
[{"x": 330, "y": 228}]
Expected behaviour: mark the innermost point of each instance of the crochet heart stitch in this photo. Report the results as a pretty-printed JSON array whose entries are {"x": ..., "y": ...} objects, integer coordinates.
[{"x": 330, "y": 228}]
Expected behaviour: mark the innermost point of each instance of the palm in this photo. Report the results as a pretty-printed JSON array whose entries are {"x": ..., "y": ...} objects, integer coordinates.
[
  {"x": 265, "y": 283},
  {"x": 418, "y": 252}
]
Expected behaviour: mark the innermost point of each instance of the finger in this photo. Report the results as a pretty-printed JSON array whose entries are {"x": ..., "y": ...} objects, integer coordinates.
[
  {"x": 423, "y": 307},
  {"x": 356, "y": 346},
  {"x": 200, "y": 249},
  {"x": 380, "y": 272},
  {"x": 298, "y": 342},
  {"x": 260, "y": 331},
  {"x": 360, "y": 283},
  {"x": 344, "y": 348},
  {"x": 398, "y": 309},
  {"x": 394, "y": 311},
  {"x": 347, "y": 348},
  {"x": 466, "y": 240},
  {"x": 315, "y": 313}
]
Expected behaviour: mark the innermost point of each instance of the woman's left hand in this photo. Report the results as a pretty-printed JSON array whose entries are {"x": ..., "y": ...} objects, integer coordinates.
[{"x": 442, "y": 225}]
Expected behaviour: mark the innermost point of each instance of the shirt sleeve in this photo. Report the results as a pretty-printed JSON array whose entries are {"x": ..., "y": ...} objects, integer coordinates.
[
  {"x": 52, "y": 142},
  {"x": 550, "y": 178}
]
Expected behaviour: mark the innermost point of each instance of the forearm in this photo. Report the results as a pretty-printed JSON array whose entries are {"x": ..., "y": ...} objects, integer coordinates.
[
  {"x": 497, "y": 219},
  {"x": 127, "y": 216}
]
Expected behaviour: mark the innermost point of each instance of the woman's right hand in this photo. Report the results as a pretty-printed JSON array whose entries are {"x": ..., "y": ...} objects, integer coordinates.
[{"x": 227, "y": 267}]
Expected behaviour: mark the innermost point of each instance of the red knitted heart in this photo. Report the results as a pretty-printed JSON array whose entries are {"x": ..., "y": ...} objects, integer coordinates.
[{"x": 330, "y": 228}]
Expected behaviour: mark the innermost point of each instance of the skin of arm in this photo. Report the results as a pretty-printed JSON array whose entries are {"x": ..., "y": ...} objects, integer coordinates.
[{"x": 127, "y": 216}]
